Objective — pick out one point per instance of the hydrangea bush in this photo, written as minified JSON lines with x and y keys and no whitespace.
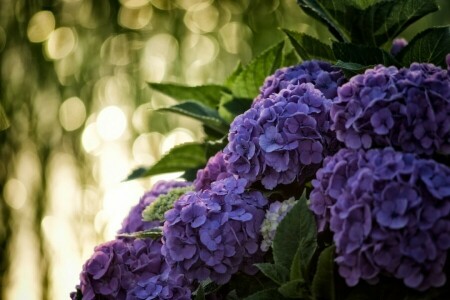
{"x":327,"y":178}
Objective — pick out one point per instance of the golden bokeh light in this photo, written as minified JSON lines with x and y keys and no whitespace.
{"x":135,"y":18}
{"x":40,"y":27}
{"x":72,"y":113}
{"x":15,"y":193}
{"x":111,"y":123}
{"x":115,"y":50}
{"x":201,"y":18}
{"x":61,"y":43}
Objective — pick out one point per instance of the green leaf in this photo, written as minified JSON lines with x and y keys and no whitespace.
{"x":431,"y":46}
{"x":207,"y":94}
{"x":180,"y":158}
{"x":309,"y":47}
{"x":230,"y":107}
{"x":351,"y":69}
{"x":296,"y":229}
{"x":4,"y":123}
{"x":302,"y":260}
{"x":269,"y":294}
{"x":153,"y":233}
{"x":232,"y":77}
{"x":212,"y":147}
{"x":247,"y":83}
{"x":367,"y":22}
{"x":200,"y":293}
{"x":291,"y":58}
{"x":362,"y":55}
{"x":294,"y":289}
{"x":209,"y":117}
{"x":277,"y":273}
{"x":323,"y":287}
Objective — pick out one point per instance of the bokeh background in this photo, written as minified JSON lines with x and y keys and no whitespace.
{"x":73,"y":79}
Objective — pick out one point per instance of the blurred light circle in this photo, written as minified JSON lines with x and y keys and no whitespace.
{"x":61,"y":43}
{"x":111,"y":123}
{"x":134,"y":3}
{"x":72,"y":114}
{"x":176,"y":137}
{"x":135,"y":18}
{"x":233,"y":35}
{"x":15,"y":193}
{"x":116,"y":51}
{"x":90,"y":139}
{"x":40,"y":27}
{"x":201,"y":18}
{"x":146,"y":148}
{"x":200,"y":49}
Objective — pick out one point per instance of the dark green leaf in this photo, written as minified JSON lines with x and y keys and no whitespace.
{"x":431,"y":46}
{"x":362,"y":55}
{"x":351,"y":69}
{"x":4,"y":123}
{"x":291,"y":58}
{"x":209,"y":117}
{"x":212,"y":147}
{"x":247,"y":83}
{"x":323,"y":283}
{"x":294,"y":289}
{"x":206,"y":94}
{"x":153,"y":233}
{"x":309,"y":47}
{"x":269,"y":294}
{"x":179,"y":158}
{"x":302,"y":259}
{"x":277,"y":273}
{"x":296,"y":229}
{"x":230,"y":107}
{"x":367,"y":22}
{"x":398,"y":17}
{"x":200,"y":293}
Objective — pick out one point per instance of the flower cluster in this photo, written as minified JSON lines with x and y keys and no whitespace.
{"x":389,"y":212}
{"x":131,"y":269}
{"x":322,"y":75}
{"x":276,"y":212}
{"x":406,"y":108}
{"x":215,"y":169}
{"x":133,"y":222}
{"x":283,"y":137}
{"x":215,"y":232}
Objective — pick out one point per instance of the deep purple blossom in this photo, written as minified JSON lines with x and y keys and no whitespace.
{"x":398,"y":45}
{"x":215,"y":169}
{"x":133,"y":222}
{"x":407,"y":109}
{"x":131,"y":269}
{"x":322,"y":75}
{"x":389,"y":212}
{"x":215,"y":232}
{"x":282,"y":138}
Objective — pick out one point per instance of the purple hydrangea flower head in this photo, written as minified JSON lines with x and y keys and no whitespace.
{"x":397,"y":45}
{"x":133,"y":222}
{"x":407,"y":109}
{"x":322,"y":75}
{"x":389,"y":212}
{"x":215,"y":232}
{"x":131,"y":269}
{"x":215,"y":169}
{"x":282,"y":138}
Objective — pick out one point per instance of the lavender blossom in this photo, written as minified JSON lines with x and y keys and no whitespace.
{"x":407,"y":109}
{"x":132,"y":269}
{"x":389,"y":212}
{"x":322,"y":75}
{"x":133,"y":222}
{"x":215,"y":169}
{"x":282,"y":138}
{"x":214,"y":233}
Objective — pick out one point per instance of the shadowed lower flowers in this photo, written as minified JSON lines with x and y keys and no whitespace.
{"x":389,"y":212}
